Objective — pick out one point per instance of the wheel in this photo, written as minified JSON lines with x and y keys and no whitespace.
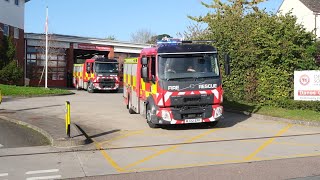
{"x":131,"y":111}
{"x":90,"y":87}
{"x":149,"y":115}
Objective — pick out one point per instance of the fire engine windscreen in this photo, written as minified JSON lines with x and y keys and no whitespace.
{"x":188,"y":66}
{"x":106,"y":67}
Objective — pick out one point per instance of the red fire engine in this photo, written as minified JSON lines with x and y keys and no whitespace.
{"x":175,"y":83}
{"x":97,"y":73}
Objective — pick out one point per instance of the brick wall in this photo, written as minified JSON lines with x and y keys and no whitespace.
{"x":19,"y":43}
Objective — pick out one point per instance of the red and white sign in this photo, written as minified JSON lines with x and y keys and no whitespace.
{"x":307,"y":85}
{"x":92,"y":47}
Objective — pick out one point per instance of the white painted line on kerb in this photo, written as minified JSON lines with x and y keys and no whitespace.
{"x":42,"y":171}
{"x":4,"y":174}
{"x":44,"y":177}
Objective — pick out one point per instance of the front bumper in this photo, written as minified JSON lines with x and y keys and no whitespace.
{"x":104,"y":86}
{"x":191,"y":115}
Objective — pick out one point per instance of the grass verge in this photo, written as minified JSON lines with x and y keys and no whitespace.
{"x":294,"y":114}
{"x":9,"y":90}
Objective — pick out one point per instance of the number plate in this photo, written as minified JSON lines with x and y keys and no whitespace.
{"x":198,"y":120}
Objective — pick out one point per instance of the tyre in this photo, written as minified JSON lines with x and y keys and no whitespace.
{"x":77,"y":86}
{"x":90,"y":88}
{"x":149,"y":115}
{"x":131,"y":111}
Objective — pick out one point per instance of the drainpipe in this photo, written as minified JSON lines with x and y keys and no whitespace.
{"x":315,"y":23}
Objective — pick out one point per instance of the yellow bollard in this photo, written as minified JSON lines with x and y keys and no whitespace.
{"x":68,"y":121}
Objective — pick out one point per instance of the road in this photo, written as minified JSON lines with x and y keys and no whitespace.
{"x":13,"y":135}
{"x":124,"y":143}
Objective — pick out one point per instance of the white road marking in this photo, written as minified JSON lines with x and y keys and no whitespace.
{"x":42,"y":171}
{"x":4,"y":174}
{"x":45,"y":177}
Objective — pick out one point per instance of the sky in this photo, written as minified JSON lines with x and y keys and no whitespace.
{"x":119,"y":18}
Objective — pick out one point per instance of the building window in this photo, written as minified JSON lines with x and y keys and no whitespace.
{"x":6,"y":30}
{"x":16,"y":2}
{"x":16,"y":33}
{"x":57,"y":65}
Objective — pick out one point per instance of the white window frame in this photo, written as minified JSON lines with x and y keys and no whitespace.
{"x":6,"y":27}
{"x":16,"y":33}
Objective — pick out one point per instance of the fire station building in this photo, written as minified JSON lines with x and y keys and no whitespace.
{"x":64,"y":51}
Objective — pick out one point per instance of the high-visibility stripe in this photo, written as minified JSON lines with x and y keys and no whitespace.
{"x":131,"y":60}
{"x":154,"y":88}
{"x":129,"y":79}
{"x":143,"y":85}
{"x":134,"y":78}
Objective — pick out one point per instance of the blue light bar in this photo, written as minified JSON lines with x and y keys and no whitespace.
{"x":166,"y":40}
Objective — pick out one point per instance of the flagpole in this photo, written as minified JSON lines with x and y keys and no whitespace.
{"x":46,"y":77}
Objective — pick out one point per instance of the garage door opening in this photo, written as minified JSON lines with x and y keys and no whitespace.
{"x":81,"y":55}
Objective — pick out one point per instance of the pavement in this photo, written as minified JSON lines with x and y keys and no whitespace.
{"x":53,"y":128}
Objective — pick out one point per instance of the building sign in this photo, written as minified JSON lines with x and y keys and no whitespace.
{"x":91,"y":47}
{"x":307,"y":85}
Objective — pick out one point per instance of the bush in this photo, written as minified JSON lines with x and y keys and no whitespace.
{"x":303,"y":105}
{"x":11,"y":73}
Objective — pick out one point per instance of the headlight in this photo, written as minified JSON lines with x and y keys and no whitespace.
{"x":165,"y":115}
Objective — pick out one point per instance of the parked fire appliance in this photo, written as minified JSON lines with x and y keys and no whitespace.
{"x":97,"y":73}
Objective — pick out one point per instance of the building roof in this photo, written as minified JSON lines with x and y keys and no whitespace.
{"x":313,"y":5}
{"x":119,"y":46}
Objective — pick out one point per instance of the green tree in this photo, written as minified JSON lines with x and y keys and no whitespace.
{"x":11,"y":73}
{"x":265,"y":49}
{"x":111,"y":37}
{"x":7,"y":51}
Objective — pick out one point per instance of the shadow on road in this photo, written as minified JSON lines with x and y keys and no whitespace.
{"x":40,"y":107}
{"x":229,"y":120}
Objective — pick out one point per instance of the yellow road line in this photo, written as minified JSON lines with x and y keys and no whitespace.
{"x":108,"y":158}
{"x":191,"y":153}
{"x":171,"y":148}
{"x":267,"y":143}
{"x":123,"y":136}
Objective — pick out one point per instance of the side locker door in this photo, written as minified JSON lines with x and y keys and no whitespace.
{"x":133,"y":83}
{"x":148,"y":83}
{"x":153,"y":76}
{"x":124,"y":79}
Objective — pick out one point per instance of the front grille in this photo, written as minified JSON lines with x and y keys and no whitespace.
{"x":107,"y":80}
{"x":191,"y":99}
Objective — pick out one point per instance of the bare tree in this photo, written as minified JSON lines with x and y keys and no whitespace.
{"x":195,"y":31}
{"x":141,"y":36}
